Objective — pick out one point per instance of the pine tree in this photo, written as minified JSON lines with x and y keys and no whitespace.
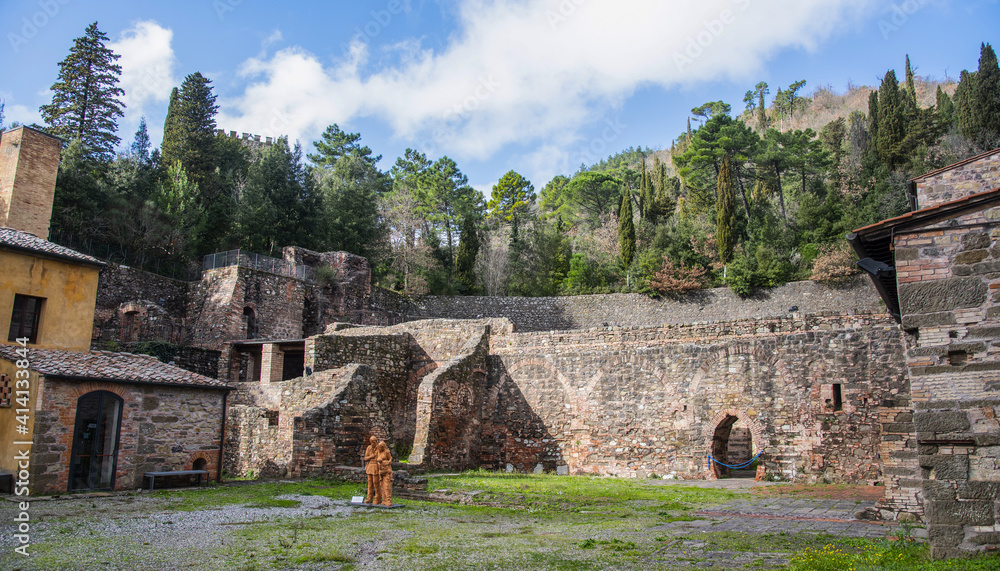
{"x":626,"y":229}
{"x":85,"y":100}
{"x":511,"y":200}
{"x":891,"y":123}
{"x":725,"y":211}
{"x":140,"y":144}
{"x":762,"y":90}
{"x":334,"y":144}
{"x":189,"y":132}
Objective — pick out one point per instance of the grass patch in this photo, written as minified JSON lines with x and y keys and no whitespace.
{"x":255,"y":495}
{"x":883,"y":555}
{"x":274,"y":503}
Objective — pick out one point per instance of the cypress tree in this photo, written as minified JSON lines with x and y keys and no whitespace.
{"x":762,"y":90}
{"x":725,"y":211}
{"x":172,"y":136}
{"x":85,"y":99}
{"x":945,"y":108}
{"x":465,"y":259}
{"x":987,"y":98}
{"x":965,"y":116}
{"x":891,"y":124}
{"x":910,"y":100}
{"x":626,"y":229}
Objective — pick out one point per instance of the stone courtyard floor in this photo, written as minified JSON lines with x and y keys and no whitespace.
{"x":474,"y":520}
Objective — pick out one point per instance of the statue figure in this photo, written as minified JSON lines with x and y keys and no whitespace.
{"x":384,"y":458}
{"x":374,"y":495}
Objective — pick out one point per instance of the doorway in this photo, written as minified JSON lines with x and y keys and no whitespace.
{"x":732,"y":444}
{"x":95,"y":441}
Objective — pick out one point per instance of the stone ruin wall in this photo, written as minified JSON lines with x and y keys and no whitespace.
{"x":303,"y":427}
{"x":637,"y":310}
{"x":635,"y":402}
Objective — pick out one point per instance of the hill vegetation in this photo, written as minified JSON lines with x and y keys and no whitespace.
{"x":748,"y":198}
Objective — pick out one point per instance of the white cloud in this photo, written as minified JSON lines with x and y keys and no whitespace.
{"x":529,"y":71}
{"x":148,"y":62}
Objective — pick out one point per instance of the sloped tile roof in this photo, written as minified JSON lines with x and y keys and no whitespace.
{"x":17,"y":240}
{"x":955,"y":165}
{"x":104,"y":365}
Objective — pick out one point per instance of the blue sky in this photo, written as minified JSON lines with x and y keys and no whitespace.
{"x":537,"y":86}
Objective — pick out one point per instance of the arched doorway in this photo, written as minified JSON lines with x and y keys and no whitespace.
{"x":735,"y":440}
{"x":95,"y":441}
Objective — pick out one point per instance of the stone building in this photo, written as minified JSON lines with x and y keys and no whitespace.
{"x":73,"y":419}
{"x":938,"y":270}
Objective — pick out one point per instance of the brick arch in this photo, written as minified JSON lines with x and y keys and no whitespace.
{"x":90,"y":386}
{"x":731,"y":416}
{"x":761,"y":354}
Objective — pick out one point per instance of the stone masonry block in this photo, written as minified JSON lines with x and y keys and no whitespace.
{"x":942,"y":295}
{"x":947,"y":467}
{"x":941,"y":421}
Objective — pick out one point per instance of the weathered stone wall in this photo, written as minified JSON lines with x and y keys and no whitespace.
{"x":304,"y":426}
{"x":632,"y":402}
{"x":391,"y":357}
{"x":216,"y":305}
{"x":636,"y":310}
{"x":979,"y":174}
{"x":449,"y":406}
{"x":948,"y":281}
{"x":162,"y":428}
{"x":960,"y":464}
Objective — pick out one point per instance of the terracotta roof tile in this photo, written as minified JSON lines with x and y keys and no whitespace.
{"x":18,"y":240}
{"x":122,"y":367}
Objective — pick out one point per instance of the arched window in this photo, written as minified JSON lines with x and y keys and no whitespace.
{"x":95,"y":441}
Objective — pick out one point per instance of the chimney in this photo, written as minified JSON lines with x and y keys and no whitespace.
{"x":29,"y":163}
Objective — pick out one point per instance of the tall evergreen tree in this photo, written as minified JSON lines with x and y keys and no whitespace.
{"x":189,"y":132}
{"x":334,"y":144}
{"x":762,"y":91}
{"x":725,"y":211}
{"x":140,"y":143}
{"x":465,"y":259}
{"x":891,"y":121}
{"x":511,"y":200}
{"x":945,"y":108}
{"x":910,"y":94}
{"x":85,"y":99}
{"x":626,"y":229}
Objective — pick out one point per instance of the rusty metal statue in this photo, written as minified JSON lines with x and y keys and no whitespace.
{"x":374,"y":494}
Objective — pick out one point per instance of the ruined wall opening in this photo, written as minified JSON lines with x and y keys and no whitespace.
{"x":733,"y":443}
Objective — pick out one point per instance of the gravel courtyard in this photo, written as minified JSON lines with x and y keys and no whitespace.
{"x":468,"y":521}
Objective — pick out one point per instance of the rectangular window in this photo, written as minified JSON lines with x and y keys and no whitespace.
{"x":838,"y":401}
{"x":24,"y":319}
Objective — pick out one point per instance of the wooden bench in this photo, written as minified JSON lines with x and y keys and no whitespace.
{"x":153,"y":475}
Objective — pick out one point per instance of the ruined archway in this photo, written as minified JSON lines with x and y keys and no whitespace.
{"x":718,"y":437}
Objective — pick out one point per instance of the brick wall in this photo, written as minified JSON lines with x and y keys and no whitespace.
{"x":29,"y":163}
{"x":162,"y":428}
